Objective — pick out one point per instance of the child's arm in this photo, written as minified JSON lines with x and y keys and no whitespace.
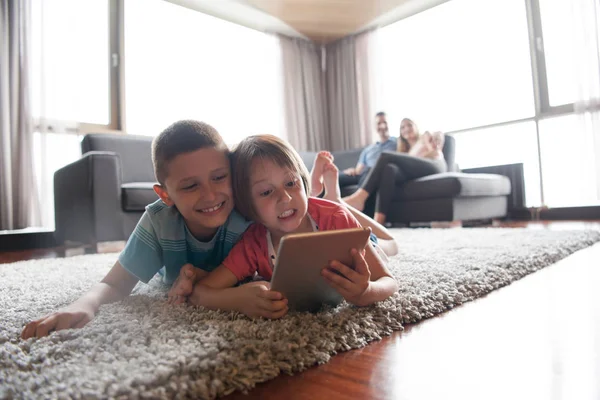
{"x":115,"y":286}
{"x":369,"y":281}
{"x":216,"y":292}
{"x":184,"y":284}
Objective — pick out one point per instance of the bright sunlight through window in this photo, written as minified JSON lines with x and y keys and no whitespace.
{"x":182,"y":64}
{"x":462,"y":64}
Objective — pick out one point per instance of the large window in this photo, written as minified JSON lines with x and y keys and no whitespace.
{"x":568,"y":163}
{"x":462,"y":64}
{"x":71,"y":63}
{"x":507,"y":144}
{"x":71,"y":68}
{"x":558,"y":38}
{"x":501,"y":77}
{"x":183,"y":64}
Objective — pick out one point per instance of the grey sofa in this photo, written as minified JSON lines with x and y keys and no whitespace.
{"x":449,"y":196}
{"x":101,"y":196}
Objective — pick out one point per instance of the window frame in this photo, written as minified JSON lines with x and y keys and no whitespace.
{"x":543,"y":110}
{"x":115,"y":59}
{"x":538,"y":56}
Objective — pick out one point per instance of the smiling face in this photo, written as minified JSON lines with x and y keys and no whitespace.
{"x":198,"y":183}
{"x":279,"y":197}
{"x":381,"y":124}
{"x":408,"y":131}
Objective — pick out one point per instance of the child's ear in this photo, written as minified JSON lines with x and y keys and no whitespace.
{"x":162,"y":193}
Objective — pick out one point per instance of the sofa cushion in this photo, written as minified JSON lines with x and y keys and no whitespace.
{"x":454,"y":184}
{"x":137,"y":195}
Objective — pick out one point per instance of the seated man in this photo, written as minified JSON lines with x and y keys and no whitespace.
{"x":370,"y":154}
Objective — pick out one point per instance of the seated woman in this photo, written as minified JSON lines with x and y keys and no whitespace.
{"x":418,"y":155}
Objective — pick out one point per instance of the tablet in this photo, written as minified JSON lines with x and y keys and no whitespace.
{"x":302,"y":256}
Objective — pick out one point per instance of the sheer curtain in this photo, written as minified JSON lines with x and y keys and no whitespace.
{"x":348,"y":71}
{"x":367,"y":89}
{"x":586,"y":49}
{"x":328,"y":92}
{"x":305,"y":100}
{"x":19,"y":207}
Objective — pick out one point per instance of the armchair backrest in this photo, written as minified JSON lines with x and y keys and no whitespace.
{"x":134,"y":153}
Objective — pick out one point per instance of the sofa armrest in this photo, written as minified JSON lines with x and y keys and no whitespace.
{"x":87,"y":199}
{"x":514,"y":172}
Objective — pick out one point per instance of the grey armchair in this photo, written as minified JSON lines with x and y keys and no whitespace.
{"x":101,"y":196}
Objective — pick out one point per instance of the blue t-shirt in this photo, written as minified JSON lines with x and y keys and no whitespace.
{"x":162,"y":239}
{"x":371,"y":153}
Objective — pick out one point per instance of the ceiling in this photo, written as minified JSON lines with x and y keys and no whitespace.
{"x":326,"y":20}
{"x":322,"y":21}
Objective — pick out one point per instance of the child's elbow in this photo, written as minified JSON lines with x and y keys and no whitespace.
{"x":391,"y":284}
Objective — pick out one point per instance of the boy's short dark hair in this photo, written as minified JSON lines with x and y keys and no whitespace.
{"x":380,"y":114}
{"x":179,"y":138}
{"x":266,"y":147}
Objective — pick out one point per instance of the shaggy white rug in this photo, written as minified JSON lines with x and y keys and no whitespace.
{"x":144,"y":348}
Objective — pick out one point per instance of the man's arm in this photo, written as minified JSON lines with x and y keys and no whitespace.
{"x":360,"y":165}
{"x":359,"y":168}
{"x":115,"y":286}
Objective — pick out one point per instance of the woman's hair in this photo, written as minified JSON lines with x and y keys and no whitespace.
{"x":261,"y":147}
{"x":403,"y":145}
{"x":182,"y":137}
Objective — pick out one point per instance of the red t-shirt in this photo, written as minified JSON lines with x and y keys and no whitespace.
{"x":251,"y":253}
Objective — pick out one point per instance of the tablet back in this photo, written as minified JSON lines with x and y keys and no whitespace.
{"x":300,"y":259}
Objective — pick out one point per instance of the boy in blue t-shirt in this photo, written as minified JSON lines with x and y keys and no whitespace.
{"x":194,"y":223}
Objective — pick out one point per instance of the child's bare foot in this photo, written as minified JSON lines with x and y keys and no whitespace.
{"x":316,"y":175}
{"x":330,"y":181}
{"x":184,"y":284}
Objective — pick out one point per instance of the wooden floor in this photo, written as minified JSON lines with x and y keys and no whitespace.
{"x":538,"y":338}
